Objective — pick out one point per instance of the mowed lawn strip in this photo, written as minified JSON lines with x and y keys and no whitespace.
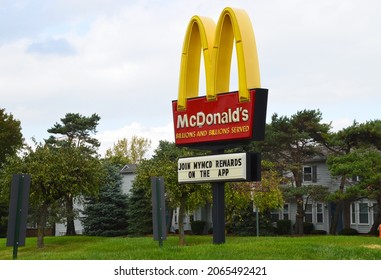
{"x":199,"y":248}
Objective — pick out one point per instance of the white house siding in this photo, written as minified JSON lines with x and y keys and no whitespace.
{"x":127,"y":181}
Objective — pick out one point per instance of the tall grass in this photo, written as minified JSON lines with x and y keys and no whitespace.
{"x":200,"y":248}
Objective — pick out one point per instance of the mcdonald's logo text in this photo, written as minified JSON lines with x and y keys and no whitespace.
{"x":224,"y":120}
{"x":201,"y":119}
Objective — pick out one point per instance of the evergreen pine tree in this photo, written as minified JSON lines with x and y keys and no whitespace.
{"x":106,"y":214}
{"x":139,"y":213}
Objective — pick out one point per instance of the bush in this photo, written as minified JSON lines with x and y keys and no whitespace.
{"x":198,"y":227}
{"x":348,"y":231}
{"x":318,"y":232}
{"x":3,"y":219}
{"x":244,"y":223}
{"x":283,"y":227}
{"x":308,"y":227}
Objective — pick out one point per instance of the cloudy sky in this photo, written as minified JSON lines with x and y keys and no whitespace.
{"x":120,"y":59}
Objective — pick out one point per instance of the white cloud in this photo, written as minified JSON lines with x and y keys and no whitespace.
{"x":109,"y":137}
{"x":126,"y":58}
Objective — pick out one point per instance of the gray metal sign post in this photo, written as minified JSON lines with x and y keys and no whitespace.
{"x":18,"y":211}
{"x":158,"y":210}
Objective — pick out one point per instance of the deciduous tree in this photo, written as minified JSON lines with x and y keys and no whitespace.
{"x":52,"y":172}
{"x":186,"y":197}
{"x":11,"y":139}
{"x":127,"y":151}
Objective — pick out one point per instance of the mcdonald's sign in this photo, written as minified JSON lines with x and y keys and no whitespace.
{"x":220,"y":116}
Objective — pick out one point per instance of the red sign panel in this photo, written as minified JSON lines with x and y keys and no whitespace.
{"x":224,"y":119}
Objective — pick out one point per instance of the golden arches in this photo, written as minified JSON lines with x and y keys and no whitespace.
{"x":232,"y":24}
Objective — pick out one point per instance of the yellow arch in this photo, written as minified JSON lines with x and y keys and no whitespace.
{"x":199,"y":35}
{"x":232,"y":24}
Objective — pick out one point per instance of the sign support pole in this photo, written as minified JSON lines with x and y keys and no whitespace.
{"x":159,"y":216}
{"x":18,"y":216}
{"x":18,"y":211}
{"x":218,"y":210}
{"x":158,"y":210}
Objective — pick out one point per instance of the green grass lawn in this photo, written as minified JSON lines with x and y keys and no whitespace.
{"x":200,"y":248}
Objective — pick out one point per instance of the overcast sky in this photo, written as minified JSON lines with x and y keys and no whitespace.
{"x":120,"y":59}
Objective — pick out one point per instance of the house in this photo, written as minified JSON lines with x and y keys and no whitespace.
{"x":315,"y":172}
{"x":128,"y":174}
{"x":362,"y":212}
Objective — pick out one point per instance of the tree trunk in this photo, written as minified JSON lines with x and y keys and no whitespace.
{"x":170,"y":217}
{"x":339,"y":208}
{"x":70,"y":227}
{"x":181,"y":221}
{"x":41,"y":224}
{"x":347,"y":214}
{"x":336,"y":216}
{"x":299,"y":219}
{"x":299,"y":228}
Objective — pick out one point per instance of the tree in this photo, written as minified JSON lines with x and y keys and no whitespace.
{"x":54,"y":174}
{"x":76,"y":131}
{"x":265,"y":194}
{"x":290,"y":142}
{"x":343,"y":143}
{"x":40,"y":164}
{"x":11,"y":139}
{"x":186,"y":197}
{"x":139,"y":212}
{"x":106,"y":213}
{"x":125,"y":151}
{"x":75,"y":134}
{"x":365,"y":163}
{"x":340,"y":144}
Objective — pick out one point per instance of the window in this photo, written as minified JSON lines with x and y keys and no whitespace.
{"x":355,"y":178}
{"x":278,"y":214}
{"x":363,"y":213}
{"x":308,"y":213}
{"x":307,"y":174}
{"x":310,"y":174}
{"x":175,"y":216}
{"x":319,"y":213}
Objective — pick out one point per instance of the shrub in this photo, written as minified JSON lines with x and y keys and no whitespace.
{"x":318,"y":232}
{"x":308,"y":227}
{"x":198,"y":227}
{"x":348,"y":231}
{"x":283,"y":227}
